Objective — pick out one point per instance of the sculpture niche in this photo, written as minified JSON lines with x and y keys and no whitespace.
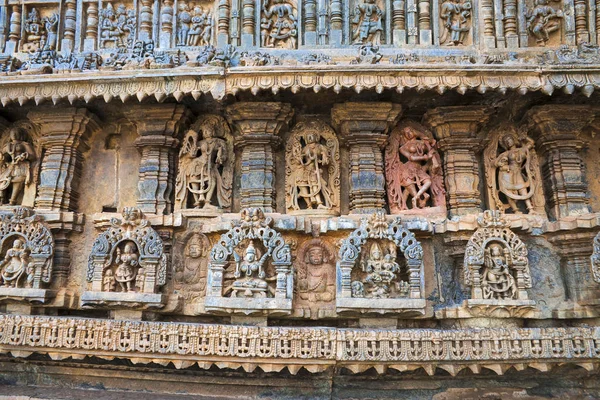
{"x":40,"y":32}
{"x":413,"y":169}
{"x":542,"y":20}
{"x":26,"y":257}
{"x":380,"y":270}
{"x":18,"y":166}
{"x":315,"y":287}
{"x":279,"y":24}
{"x":127,"y":265}
{"x":455,"y":16}
{"x":367,"y":22}
{"x":496,"y":265}
{"x":205,"y":173}
{"x":250,"y":269}
{"x":512,"y":173}
{"x":312,"y":158}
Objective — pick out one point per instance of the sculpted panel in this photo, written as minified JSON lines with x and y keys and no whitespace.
{"x":367,"y":22}
{"x":190,"y":259}
{"x":279,"y":24}
{"x":195,"y":24}
{"x":205,"y":174}
{"x":312,"y":169}
{"x":413,"y":169}
{"x":455,"y":18}
{"x":544,"y":18}
{"x":19,"y":165}
{"x":40,"y":30}
{"x":512,"y":173}
{"x":117,"y":26}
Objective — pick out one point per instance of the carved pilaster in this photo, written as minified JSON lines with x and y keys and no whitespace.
{"x":63,"y":134}
{"x":70,"y":27}
{"x":456,"y":129}
{"x":257,"y":126}
{"x":157,"y":127}
{"x":365,"y":127}
{"x":556,"y":131}
{"x":146,"y":16}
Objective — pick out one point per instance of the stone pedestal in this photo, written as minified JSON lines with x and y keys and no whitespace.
{"x":257,"y":126}
{"x":556,"y":130}
{"x":456,"y":130}
{"x":157,"y":126}
{"x":364,"y":127}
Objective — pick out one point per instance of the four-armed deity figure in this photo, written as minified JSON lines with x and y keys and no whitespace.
{"x":15,"y":166}
{"x":17,"y":263}
{"x":455,"y":16}
{"x":382,"y":272}
{"x":308,"y":181}
{"x":127,"y":267}
{"x":200,"y":161}
{"x":543,"y":20}
{"x":249,"y":274}
{"x":282,"y":25}
{"x":413,"y":169}
{"x":367,"y":21}
{"x":497,"y":281}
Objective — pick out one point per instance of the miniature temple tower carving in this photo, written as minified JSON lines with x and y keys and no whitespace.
{"x":250,"y":269}
{"x":512,"y":173}
{"x":18,"y":165}
{"x":380,"y":269}
{"x":413,"y":169}
{"x":205,"y":172}
{"x":312,"y":169}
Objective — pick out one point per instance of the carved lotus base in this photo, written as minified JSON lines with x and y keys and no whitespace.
{"x":404,"y":307}
{"x":501,"y":308}
{"x":142,"y":301}
{"x":39,"y":296}
{"x":248,"y":306}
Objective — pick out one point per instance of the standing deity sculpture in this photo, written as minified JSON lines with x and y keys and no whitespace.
{"x":279,"y":24}
{"x":17,"y":268}
{"x":316,"y":277}
{"x":184,"y":23}
{"x":312,"y":168}
{"x":190,"y":264}
{"x":51,"y":28}
{"x":542,"y":20}
{"x":35,"y":32}
{"x":201,"y":28}
{"x":367,"y":22}
{"x":126,"y":265}
{"x":413,"y":169}
{"x":205,"y":166}
{"x":513,"y":173}
{"x":117,"y":27}
{"x":16,"y":165}
{"x":455,"y":16}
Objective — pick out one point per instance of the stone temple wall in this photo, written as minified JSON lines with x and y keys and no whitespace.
{"x":299,"y":199}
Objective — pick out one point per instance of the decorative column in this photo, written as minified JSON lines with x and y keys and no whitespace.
{"x":256,"y":127}
{"x":456,"y":130}
{"x":224,"y":14}
{"x":166,"y":23}
{"x":63,"y":134}
{"x":364,"y":127}
{"x":70,"y":18}
{"x":556,"y":130}
{"x":146,"y":16}
{"x":91,"y":27}
{"x":157,"y":126}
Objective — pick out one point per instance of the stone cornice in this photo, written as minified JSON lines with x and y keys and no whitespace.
{"x":315,"y":349}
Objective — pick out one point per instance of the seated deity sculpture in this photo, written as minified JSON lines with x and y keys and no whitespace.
{"x":543,"y":20}
{"x":15,"y":166}
{"x":497,"y":281}
{"x":367,"y":21}
{"x":283,"y":29}
{"x":35,"y":34}
{"x":249,"y":274}
{"x":16,"y":269}
{"x":413,"y":169}
{"x":381,"y":275}
{"x":203,"y":160}
{"x":316,"y":281}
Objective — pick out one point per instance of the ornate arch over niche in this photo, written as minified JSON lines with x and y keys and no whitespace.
{"x":127,"y":264}
{"x":206,"y":162}
{"x":27,"y":250}
{"x":380,"y":269}
{"x":496,"y":266}
{"x":512,"y":172}
{"x":250,"y":269}
{"x":312,"y":169}
{"x":19,"y":164}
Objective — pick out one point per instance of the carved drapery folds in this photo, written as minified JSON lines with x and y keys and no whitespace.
{"x":26,"y":258}
{"x":250,"y":269}
{"x":380,"y":269}
{"x":312,"y":172}
{"x":413,"y":169}
{"x":496,"y":267}
{"x":205,"y":175}
{"x":127,"y":264}
{"x":512,"y":172}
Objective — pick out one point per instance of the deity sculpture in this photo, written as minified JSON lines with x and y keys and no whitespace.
{"x":381,"y":269}
{"x":513,"y":175}
{"x":35,"y":34}
{"x":455,"y":15}
{"x":543,"y":20}
{"x":184,"y":21}
{"x":497,"y":281}
{"x":279,"y":24}
{"x":16,"y":269}
{"x":413,"y":169}
{"x":367,"y":23}
{"x":191,"y":269}
{"x":316,"y":276}
{"x":201,"y":27}
{"x":117,"y":27}
{"x":15,"y":166}
{"x":51,"y":27}
{"x":205,"y":166}
{"x":127,"y":264}
{"x":250,"y":274}
{"x":312,"y":168}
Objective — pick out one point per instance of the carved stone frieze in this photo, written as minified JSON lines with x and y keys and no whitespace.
{"x":127,"y":265}
{"x":250,"y":269}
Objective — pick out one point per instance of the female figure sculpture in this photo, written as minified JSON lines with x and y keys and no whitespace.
{"x":284,"y":30}
{"x":127,"y":266}
{"x":15,"y":165}
{"x":543,"y":20}
{"x":16,"y":264}
{"x":497,"y":281}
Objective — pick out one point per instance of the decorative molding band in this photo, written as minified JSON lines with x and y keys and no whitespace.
{"x":316,"y":349}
